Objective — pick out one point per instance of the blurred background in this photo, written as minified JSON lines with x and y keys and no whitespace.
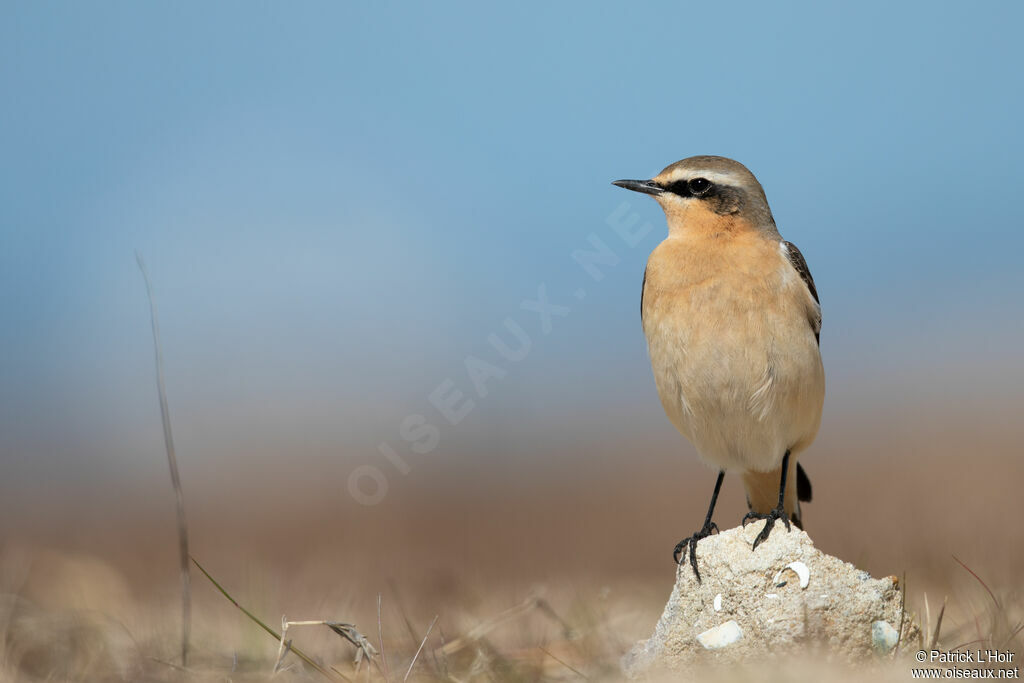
{"x":340,"y":204}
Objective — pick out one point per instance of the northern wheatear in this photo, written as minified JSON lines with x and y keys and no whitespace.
{"x":732,"y":320}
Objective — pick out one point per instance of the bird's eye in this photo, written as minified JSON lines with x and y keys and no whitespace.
{"x":699,"y":186}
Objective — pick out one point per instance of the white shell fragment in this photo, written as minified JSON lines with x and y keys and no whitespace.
{"x":883,"y":637}
{"x":800,"y":569}
{"x":720,"y":636}
{"x":718,"y":602}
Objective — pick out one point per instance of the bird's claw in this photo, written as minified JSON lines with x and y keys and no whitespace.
{"x":690,"y":544}
{"x":769,"y":522}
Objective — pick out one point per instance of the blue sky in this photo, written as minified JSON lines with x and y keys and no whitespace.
{"x":339,"y":203}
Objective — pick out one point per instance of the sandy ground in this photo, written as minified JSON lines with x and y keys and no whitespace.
{"x":562,"y":559}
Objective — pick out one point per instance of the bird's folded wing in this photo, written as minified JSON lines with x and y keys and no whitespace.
{"x":800,"y":265}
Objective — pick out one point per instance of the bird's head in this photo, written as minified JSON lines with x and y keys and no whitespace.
{"x":707,"y":189}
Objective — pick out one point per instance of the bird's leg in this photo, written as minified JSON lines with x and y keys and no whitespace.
{"x":705,"y":531}
{"x":779,"y":512}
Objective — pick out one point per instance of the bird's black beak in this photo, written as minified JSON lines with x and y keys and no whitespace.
{"x":645,"y":186}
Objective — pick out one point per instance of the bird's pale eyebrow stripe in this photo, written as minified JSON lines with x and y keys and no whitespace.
{"x":714,"y":176}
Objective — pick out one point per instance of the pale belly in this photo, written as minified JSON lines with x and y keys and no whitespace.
{"x":744,"y":384}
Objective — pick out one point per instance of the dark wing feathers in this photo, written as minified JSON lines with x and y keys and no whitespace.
{"x":643,"y":286}
{"x":800,"y":265}
{"x":803,"y":482}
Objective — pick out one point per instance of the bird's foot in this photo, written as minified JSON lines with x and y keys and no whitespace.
{"x":769,"y":521}
{"x":690,"y":544}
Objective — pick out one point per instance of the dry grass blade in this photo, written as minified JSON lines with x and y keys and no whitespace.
{"x":568,"y":631}
{"x":170,"y":665}
{"x":927,"y":618}
{"x":380,"y":640}
{"x":984,"y":585}
{"x":482,"y":629}
{"x":347,"y":631}
{"x":285,"y":647}
{"x":969,"y":642}
{"x":418,"y":651}
{"x":442,"y":662}
{"x":903,"y":615}
{"x":564,"y":663}
{"x":256,"y":620}
{"x":172,"y":461}
{"x":1013,"y":634}
{"x":401,"y":611}
{"x":938,"y":626}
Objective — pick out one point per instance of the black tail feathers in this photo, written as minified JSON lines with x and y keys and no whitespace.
{"x":803,"y":485}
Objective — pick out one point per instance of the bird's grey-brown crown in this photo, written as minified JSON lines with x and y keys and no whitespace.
{"x":727,"y":186}
{"x":713,"y":168}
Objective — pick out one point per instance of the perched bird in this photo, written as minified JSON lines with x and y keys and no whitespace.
{"x":732,"y":321}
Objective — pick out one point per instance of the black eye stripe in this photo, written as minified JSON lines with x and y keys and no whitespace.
{"x":694,"y":187}
{"x":680,"y":188}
